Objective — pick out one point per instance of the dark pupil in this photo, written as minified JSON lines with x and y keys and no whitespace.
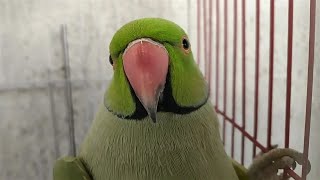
{"x":110,"y":60}
{"x":185,"y":44}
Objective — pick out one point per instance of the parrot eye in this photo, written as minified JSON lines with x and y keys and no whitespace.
{"x":185,"y":44}
{"x":110,"y":60}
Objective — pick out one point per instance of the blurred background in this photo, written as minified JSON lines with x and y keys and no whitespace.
{"x":43,"y":86}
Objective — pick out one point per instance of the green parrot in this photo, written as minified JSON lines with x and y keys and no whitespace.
{"x":156,"y":120}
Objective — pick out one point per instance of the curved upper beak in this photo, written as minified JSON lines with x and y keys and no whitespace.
{"x":146,"y":65}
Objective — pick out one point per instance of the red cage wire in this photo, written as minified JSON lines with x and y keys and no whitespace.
{"x":206,"y":31}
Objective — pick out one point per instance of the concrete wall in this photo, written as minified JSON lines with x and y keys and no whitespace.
{"x":31,"y":55}
{"x":33,"y":125}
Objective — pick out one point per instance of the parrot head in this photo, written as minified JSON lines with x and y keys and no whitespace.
{"x":154,"y":71}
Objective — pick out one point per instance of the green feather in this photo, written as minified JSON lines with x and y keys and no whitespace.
{"x":70,"y":168}
{"x":189,"y":89}
{"x":176,"y":147}
{"x":158,"y":29}
{"x":241,"y":171}
{"x":118,"y":97}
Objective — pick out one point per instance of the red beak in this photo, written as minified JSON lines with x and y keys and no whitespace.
{"x":146,"y":65}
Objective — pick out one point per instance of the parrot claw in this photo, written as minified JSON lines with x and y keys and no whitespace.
{"x":275,"y":146}
{"x":294,"y":165}
{"x":266,"y":166}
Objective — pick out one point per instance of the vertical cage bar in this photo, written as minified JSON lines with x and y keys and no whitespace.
{"x":198,"y":30}
{"x":205,"y":39}
{"x":235,"y":29}
{"x":243,"y":76}
{"x":68,"y":90}
{"x":256,"y":87}
{"x":309,"y":86}
{"x":225,"y":67}
{"x":217,"y":51}
{"x":210,"y":47}
{"x":270,"y":90}
{"x":289,"y":74}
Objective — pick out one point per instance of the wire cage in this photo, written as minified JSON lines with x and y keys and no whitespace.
{"x":226,"y":72}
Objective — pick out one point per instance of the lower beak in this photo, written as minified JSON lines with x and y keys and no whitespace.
{"x":146,"y":65}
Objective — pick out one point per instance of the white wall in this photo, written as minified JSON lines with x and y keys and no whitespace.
{"x":31,"y":55}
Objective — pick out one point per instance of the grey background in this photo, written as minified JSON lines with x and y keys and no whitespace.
{"x":33,"y":110}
